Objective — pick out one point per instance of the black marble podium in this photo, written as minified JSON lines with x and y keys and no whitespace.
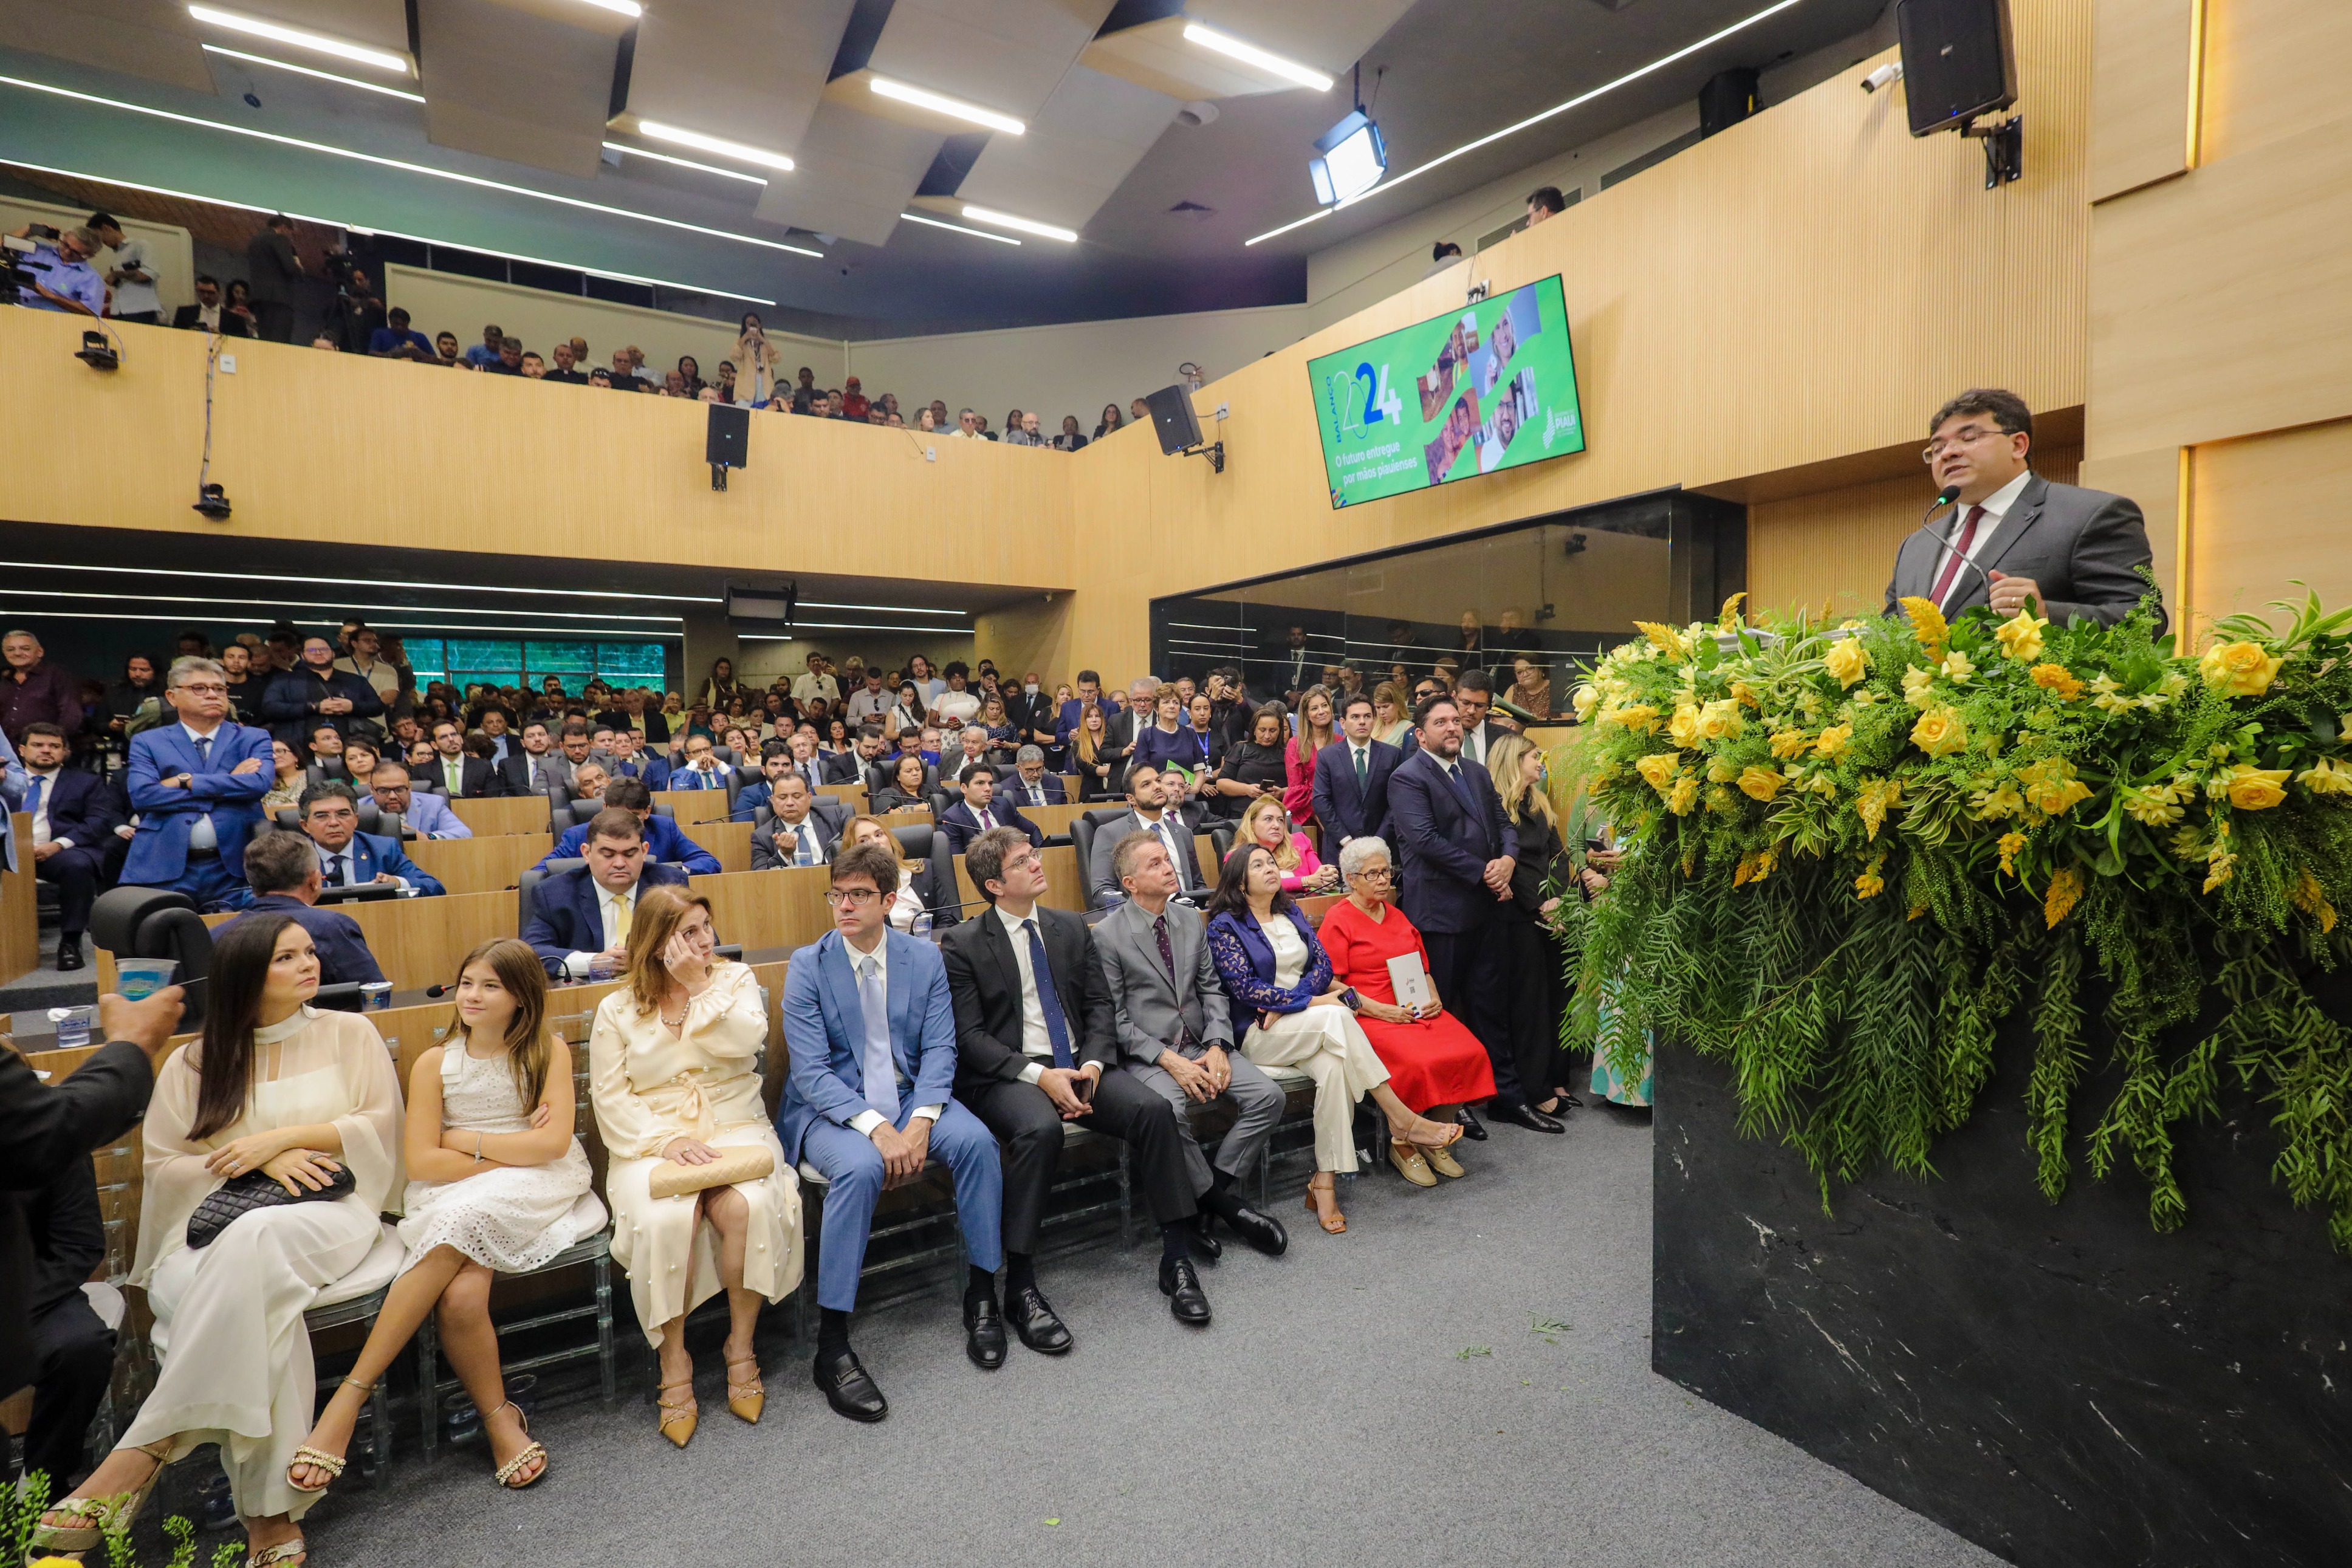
{"x":2060,"y":1384}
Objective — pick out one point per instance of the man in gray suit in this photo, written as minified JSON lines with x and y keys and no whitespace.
{"x":1176,"y":1035}
{"x":1147,"y":813}
{"x":2014,"y":535}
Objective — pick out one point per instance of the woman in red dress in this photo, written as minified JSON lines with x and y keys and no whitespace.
{"x":1432,"y":1058}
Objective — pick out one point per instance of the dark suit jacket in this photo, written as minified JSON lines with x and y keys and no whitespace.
{"x":767,"y":856}
{"x":290,"y":702}
{"x":1009,"y":788}
{"x":514,"y":771}
{"x":46,"y":1127}
{"x":231,"y":326}
{"x":82,"y":808}
{"x":565,"y":916}
{"x":1443,"y":847}
{"x":480,"y":779}
{"x":961,"y":826}
{"x":984,"y":980}
{"x":842,"y":768}
{"x":374,"y":852}
{"x":2083,"y":548}
{"x":664,"y":841}
{"x":1346,"y":811}
{"x":342,"y":946}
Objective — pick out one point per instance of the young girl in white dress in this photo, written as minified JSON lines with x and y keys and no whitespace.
{"x":498,"y":1185}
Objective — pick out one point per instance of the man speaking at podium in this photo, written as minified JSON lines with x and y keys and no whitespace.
{"x":2011,"y":534}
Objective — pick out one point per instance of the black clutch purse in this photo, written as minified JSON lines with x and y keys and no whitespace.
{"x":256,"y":1189}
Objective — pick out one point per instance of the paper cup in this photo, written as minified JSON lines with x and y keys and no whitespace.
{"x":139,"y":979}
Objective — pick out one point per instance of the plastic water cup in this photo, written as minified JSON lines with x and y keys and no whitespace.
{"x":73,"y":1025}
{"x":600,"y":971}
{"x":375,"y":996}
{"x":139,"y":979}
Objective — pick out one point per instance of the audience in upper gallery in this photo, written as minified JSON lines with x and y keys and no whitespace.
{"x":800,"y":828}
{"x":284,"y":871}
{"x":980,"y":811}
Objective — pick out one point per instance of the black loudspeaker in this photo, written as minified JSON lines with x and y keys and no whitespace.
{"x":1728,"y":98}
{"x":1958,"y":60}
{"x":729,"y":444}
{"x":1173,"y":417}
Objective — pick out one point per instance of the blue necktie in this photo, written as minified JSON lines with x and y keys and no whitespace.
{"x":204,"y":751}
{"x":33,"y":798}
{"x":1462,"y":788}
{"x":1057,"y":1028}
{"x":880,"y":1067}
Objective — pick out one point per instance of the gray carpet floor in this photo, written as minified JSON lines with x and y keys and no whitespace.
{"x":1378,"y":1398}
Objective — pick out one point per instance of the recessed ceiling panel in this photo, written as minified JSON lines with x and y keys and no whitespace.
{"x":525,"y":81}
{"x":1081,"y":145}
{"x":150,"y":38}
{"x":854,"y":176}
{"x":750,"y":73}
{"x":1005,"y":55}
{"x":1329,"y":35}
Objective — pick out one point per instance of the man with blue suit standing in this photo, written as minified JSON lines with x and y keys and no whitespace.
{"x":197,"y":787}
{"x":1352,"y":779}
{"x":580,"y":919}
{"x":1457,"y":851}
{"x":664,"y":841}
{"x":981,"y":811}
{"x":872,"y":1032}
{"x":73,"y":826}
{"x":349,"y":858}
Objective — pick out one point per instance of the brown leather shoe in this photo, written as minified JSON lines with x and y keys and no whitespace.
{"x":1410,"y":1165}
{"x":1443,"y":1162}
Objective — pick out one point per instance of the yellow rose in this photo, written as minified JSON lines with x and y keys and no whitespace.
{"x":1846,"y":662}
{"x":1585,"y":698}
{"x":1832,"y":744}
{"x":2240,"y":669}
{"x":2059,"y":679}
{"x":1760,"y":783}
{"x":1788,"y":743}
{"x":1640,"y":719}
{"x":1659,"y":768}
{"x":1720,"y":720}
{"x":1684,"y":727}
{"x":2326,"y":777}
{"x":1721,"y":772}
{"x":2256,"y":788}
{"x":1682,"y":796}
{"x":2021,"y":636}
{"x":1940,"y":732}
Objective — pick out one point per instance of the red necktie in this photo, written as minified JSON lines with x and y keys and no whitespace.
{"x":1959,"y":550}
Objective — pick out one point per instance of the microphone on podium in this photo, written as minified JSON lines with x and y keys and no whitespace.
{"x":1945,"y":497}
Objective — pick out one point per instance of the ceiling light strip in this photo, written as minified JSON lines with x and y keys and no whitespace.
{"x":297,"y":37}
{"x":407,"y":167}
{"x":1577,"y":102}
{"x":940,"y":103}
{"x":956,"y":228}
{"x":369,"y":582}
{"x":684,"y":162}
{"x":714,"y":144}
{"x":314,"y":71}
{"x":122,"y":594}
{"x":799,"y":625}
{"x":890,"y":609}
{"x":1026,"y":225}
{"x":373,"y":625}
{"x":626,"y":7}
{"x":1251,"y":55}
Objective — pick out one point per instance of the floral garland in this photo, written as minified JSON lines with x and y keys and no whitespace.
{"x":1853,"y":851}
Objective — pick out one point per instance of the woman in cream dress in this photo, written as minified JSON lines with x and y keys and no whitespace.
{"x":1293,"y":1014}
{"x":277,"y":1087}
{"x":674,"y":1076}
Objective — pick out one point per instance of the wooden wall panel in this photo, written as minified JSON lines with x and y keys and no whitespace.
{"x":20,"y":915}
{"x":2267,"y":511}
{"x":691,"y":806}
{"x":486,"y":864}
{"x":525,"y":814}
{"x":2273,"y":68}
{"x":2142,"y":93}
{"x":758,"y":910}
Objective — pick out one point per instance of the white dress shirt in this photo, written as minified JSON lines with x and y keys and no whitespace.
{"x":48,"y":783}
{"x":805,"y":837}
{"x":617,"y":909}
{"x":330,"y":859}
{"x":1037,"y":1043}
{"x":201,"y":838}
{"x":867,"y":1121}
{"x":1996,"y":509}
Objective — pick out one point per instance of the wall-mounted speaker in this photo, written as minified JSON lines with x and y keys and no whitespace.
{"x":1959,"y":60}
{"x":1173,"y":417}
{"x":729,"y":442}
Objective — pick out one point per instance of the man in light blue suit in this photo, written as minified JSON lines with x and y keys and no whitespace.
{"x":197,"y":787}
{"x":872,"y":1033}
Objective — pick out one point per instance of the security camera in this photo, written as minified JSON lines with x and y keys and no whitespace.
{"x":1885,"y":75}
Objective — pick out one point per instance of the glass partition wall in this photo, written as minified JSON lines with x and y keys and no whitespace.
{"x":1553,"y":590}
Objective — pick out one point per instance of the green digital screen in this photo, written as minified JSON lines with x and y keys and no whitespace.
{"x":1487,"y":387}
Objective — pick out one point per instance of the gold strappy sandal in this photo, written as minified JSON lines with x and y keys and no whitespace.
{"x":512,"y":1467}
{"x":677,"y":1420}
{"x":81,"y":1523}
{"x":319,"y":1458}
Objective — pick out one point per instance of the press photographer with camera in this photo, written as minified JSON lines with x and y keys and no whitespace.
{"x":60,"y":275}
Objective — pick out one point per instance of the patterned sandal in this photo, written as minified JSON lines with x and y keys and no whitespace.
{"x":746,"y":1396}
{"x":319,"y":1458}
{"x":514,"y":1466}
{"x":82,"y":1523}
{"x":295,"y":1550}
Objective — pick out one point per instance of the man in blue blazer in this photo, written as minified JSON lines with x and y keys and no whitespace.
{"x":1351,"y":780}
{"x":197,"y":787}
{"x":621,"y":759}
{"x":663,"y":839}
{"x":981,"y":811}
{"x":1031,"y":785}
{"x":349,"y":858}
{"x":73,"y":826}
{"x":1456,"y":849}
{"x":282,"y":869}
{"x":774,"y":766}
{"x":872,"y":1032}
{"x":580,"y":919}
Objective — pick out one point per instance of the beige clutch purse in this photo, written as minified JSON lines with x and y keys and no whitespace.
{"x":672,"y":1179}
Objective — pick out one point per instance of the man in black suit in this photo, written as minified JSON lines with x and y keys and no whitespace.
{"x":981,"y":810}
{"x":1037,"y":1039}
{"x":1456,"y":849}
{"x":1352,"y":779}
{"x":534,"y":766}
{"x":74,"y":819}
{"x":456,"y":775}
{"x":283,"y":871}
{"x":1474,"y":693}
{"x":208,"y":314}
{"x":800,"y":829}
{"x":1295,"y":669}
{"x":1030,"y":785}
{"x":2014,"y":536}
{"x":849,"y":767}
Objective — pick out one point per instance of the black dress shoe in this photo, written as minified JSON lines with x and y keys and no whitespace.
{"x":1205,"y":1245}
{"x":1180,"y":1283}
{"x":1262,"y":1231}
{"x":1524,"y":1116}
{"x":1035,"y":1322}
{"x":848,"y":1389}
{"x":1472,"y":1128}
{"x":983,"y":1332}
{"x":69,"y":953}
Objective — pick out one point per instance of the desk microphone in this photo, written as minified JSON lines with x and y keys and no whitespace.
{"x":1950,"y":493}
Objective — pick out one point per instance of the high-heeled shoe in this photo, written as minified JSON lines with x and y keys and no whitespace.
{"x":746,"y":1395}
{"x":81,"y":1523}
{"x":319,"y":1458}
{"x":1335,"y":1222}
{"x":537,"y":1451}
{"x":679,"y":1415}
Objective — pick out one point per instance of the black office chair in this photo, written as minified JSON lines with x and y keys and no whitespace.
{"x":1083,"y":829}
{"x":1221,"y":841}
{"x":946,"y":897}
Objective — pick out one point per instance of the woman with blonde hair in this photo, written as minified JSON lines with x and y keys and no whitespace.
{"x":702,"y":1196}
{"x":1263,"y":821}
{"x":1391,"y":712}
{"x":907,"y":904}
{"x":1088,"y":742}
{"x":1537,"y":990}
{"x":1318,"y":726}
{"x":497,"y":1185}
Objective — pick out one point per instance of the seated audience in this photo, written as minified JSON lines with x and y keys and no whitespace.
{"x":359,"y":760}
{"x":325,"y":760}
{"x":283,"y":871}
{"x":910,"y":904}
{"x":1279,"y":976}
{"x":74,"y":819}
{"x":1531,"y":686}
{"x":1030,"y":785}
{"x":1433,"y":1060}
{"x":1070,"y":439}
{"x":1255,"y":765}
{"x":1176,"y":1037}
{"x":579,"y":923}
{"x":455,"y":772}
{"x":422,"y":812}
{"x":850,"y":766}
{"x":802,"y":748}
{"x":673,"y":1063}
{"x":534,"y":766}
{"x":314,"y":691}
{"x":909,"y":786}
{"x":1002,"y":737}
{"x":197,"y":788}
{"x":969,"y":745}
{"x":803,"y":828}
{"x":664,"y":840}
{"x":497,"y":1183}
{"x":1351,"y":778}
{"x":979,"y":811}
{"x":1263,"y":821}
{"x":349,"y":858}
{"x":275,"y":1091}
{"x":871,"y":1031}
{"x":701,"y":768}
{"x":1148,"y":812}
{"x":396,"y":340}
{"x":749,"y":799}
{"x":1537,"y":990}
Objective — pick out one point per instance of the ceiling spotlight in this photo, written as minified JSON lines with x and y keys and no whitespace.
{"x":1251,"y":55}
{"x":940,"y":103}
{"x":720,"y":145}
{"x":626,"y":7}
{"x":1025,"y":225}
{"x":957,"y":228}
{"x":382,"y":59}
{"x":1349,"y":160}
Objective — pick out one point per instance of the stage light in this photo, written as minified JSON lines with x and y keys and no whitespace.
{"x":1350,"y":159}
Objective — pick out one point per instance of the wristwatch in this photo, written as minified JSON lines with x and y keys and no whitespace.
{"x":1355,"y":1003}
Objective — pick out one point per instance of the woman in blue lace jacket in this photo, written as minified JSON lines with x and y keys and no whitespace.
{"x":1291,"y":1014}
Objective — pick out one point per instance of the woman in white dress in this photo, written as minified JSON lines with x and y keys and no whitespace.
{"x":300,"y":1095}
{"x":1295,"y":1015}
{"x":498,"y":1185}
{"x":673,"y":1065}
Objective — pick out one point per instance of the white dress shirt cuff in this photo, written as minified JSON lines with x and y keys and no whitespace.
{"x":927,"y":1113}
{"x":1033,"y":1072}
{"x":575,"y":967}
{"x":864,"y":1122}
{"x":63,"y":843}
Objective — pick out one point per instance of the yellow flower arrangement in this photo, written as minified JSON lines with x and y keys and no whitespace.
{"x":1789,"y":743}
{"x":1683,"y":729}
{"x":1665,"y":639}
{"x":1584,"y":699}
{"x":2326,"y":777}
{"x":1682,"y":796}
{"x":1928,"y":621}
{"x":1832,"y":743}
{"x":2252,"y":788}
{"x":2021,"y":636}
{"x":1991,"y":805}
{"x":2312,"y":899}
{"x":2057,"y":679}
{"x":1940,"y":731}
{"x":1640,"y":717}
{"x":2153,"y":805}
{"x":1875,"y":799}
{"x":1659,"y":768}
{"x":1744,"y":694}
{"x":1869,"y":884}
{"x":2009,"y":844}
{"x":1760,"y":783}
{"x":1918,"y":685}
{"x":1719,"y":720}
{"x":2051,"y":785}
{"x":2066,"y":890}
{"x":1846,"y":662}
{"x":2241,"y":669}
